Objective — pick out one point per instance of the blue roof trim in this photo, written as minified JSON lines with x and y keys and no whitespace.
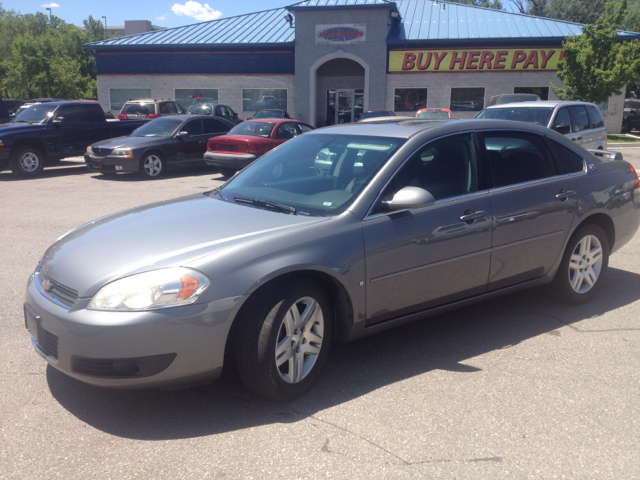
{"x":266,"y":28}
{"x":422,"y":23}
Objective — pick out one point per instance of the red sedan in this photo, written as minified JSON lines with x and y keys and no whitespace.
{"x":250,"y":140}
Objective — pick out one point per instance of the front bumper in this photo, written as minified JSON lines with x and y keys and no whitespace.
{"x":185,"y":343}
{"x":109,"y":163}
{"x":236,"y":161}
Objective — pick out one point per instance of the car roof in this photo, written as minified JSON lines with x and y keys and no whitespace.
{"x":539,"y":104}
{"x":409,"y":128}
{"x":273,"y":120}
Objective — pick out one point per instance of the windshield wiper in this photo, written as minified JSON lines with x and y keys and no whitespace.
{"x":278,"y":207}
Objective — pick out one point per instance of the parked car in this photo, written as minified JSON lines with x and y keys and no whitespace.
{"x":47,"y":132}
{"x":215,"y":110}
{"x":631,"y":115}
{"x":279,"y":262}
{"x":149,"y":108}
{"x":375,"y":114}
{"x":581,"y":122}
{"x":163,"y":143}
{"x":433,"y":113}
{"x":271,"y":113}
{"x":512,"y":98}
{"x":250,"y":140}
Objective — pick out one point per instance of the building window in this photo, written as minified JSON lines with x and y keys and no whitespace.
{"x":542,"y":92}
{"x":409,"y":99}
{"x":254,"y":99}
{"x":467,"y":99}
{"x":188,"y":96}
{"x":119,"y":96}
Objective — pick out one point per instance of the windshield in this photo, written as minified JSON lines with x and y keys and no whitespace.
{"x":255,"y":129}
{"x":317,"y":175}
{"x":201,"y":109}
{"x":36,"y":113}
{"x":160,"y":127}
{"x":439,"y":114}
{"x":267,"y":114}
{"x":537,"y":115}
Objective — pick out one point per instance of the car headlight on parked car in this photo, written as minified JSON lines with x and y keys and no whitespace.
{"x":164,"y":288}
{"x":89,"y":150}
{"x":123,"y":152}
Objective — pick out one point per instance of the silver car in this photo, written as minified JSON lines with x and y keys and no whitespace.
{"x":403,"y":220}
{"x":580,"y":122}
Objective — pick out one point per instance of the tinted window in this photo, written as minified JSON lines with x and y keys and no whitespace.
{"x":94,"y":114}
{"x":160,"y":127}
{"x":214,"y":126}
{"x":595,"y":117}
{"x":304,"y":128}
{"x":445,"y":168}
{"x":76,"y":114}
{"x":168,"y":108}
{"x":579,"y":118}
{"x":571,"y":161}
{"x":562,"y":118}
{"x":194,"y":127}
{"x":517,"y":158}
{"x":287,"y":131}
{"x":179,"y":108}
{"x":137,"y":109}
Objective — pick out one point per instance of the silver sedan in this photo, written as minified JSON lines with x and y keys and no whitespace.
{"x":403,"y":220}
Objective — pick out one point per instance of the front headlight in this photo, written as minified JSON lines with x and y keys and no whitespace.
{"x":123,"y":152}
{"x":164,"y":288}
{"x":89,"y":150}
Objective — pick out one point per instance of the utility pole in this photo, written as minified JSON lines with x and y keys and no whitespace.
{"x":49,"y":14}
{"x":106,"y":32}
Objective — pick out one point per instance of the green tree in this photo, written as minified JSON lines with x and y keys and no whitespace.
{"x":596,"y":64}
{"x":579,"y":11}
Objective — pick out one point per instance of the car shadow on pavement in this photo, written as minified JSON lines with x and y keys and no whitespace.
{"x":189,"y":171}
{"x":63,"y":168}
{"x":444,"y":342}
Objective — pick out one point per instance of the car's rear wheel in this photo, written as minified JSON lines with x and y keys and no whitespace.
{"x":584,"y":264}
{"x":152,"y":165}
{"x":27,"y":161}
{"x":283,"y":339}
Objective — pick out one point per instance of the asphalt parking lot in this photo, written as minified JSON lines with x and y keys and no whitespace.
{"x":517,"y":387}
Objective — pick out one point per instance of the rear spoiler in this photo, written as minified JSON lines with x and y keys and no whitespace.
{"x":605,"y":154}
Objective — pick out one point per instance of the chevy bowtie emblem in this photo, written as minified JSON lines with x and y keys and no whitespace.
{"x":47,"y":285}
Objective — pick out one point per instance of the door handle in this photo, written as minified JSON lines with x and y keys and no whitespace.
{"x":471,"y":215}
{"x":564,"y":194}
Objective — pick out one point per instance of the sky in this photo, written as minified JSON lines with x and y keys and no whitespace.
{"x":164,"y":13}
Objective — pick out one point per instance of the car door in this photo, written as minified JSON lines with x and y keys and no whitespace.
{"x":286,"y":131}
{"x":580,"y":127}
{"x":598,"y":129}
{"x":75,"y":129}
{"x":212,"y":128}
{"x":420,"y":258}
{"x":193,"y":146}
{"x":533,"y":204}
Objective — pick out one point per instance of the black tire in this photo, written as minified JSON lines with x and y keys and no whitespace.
{"x":152,"y":165}
{"x":579,"y":279}
{"x":227,"y":172}
{"x":27,"y":161}
{"x":265,"y":323}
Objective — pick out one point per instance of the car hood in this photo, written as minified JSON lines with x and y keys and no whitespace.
{"x":130,"y":142}
{"x":164,"y":234}
{"x":11,"y":128}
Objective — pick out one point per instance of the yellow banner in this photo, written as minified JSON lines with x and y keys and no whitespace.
{"x":474,"y":60}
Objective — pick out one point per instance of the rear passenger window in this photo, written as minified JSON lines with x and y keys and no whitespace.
{"x":168,"y":108}
{"x":194,"y":127}
{"x":570,"y":160}
{"x":595,"y":116}
{"x":517,"y":158}
{"x":214,"y":126}
{"x":579,"y":118}
{"x":562,"y":118}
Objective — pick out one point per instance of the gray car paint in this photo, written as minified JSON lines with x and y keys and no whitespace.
{"x":242,"y":248}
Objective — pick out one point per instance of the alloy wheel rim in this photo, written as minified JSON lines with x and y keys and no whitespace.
{"x":153,"y":165}
{"x":299,"y":340}
{"x":29,"y":162}
{"x":585,"y":264}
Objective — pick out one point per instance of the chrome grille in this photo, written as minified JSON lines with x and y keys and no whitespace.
{"x":55,"y":291}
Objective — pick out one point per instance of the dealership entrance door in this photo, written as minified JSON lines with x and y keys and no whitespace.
{"x":344,"y":105}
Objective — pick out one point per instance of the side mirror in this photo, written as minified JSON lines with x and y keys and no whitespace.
{"x":409,"y":197}
{"x":563,"y":129}
{"x":182,"y":135}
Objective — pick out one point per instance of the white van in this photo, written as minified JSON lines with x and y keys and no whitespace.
{"x":582,"y":122}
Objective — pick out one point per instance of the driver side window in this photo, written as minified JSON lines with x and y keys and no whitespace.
{"x":446,"y":168}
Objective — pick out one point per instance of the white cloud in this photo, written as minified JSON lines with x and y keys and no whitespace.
{"x":196,"y":10}
{"x":163,"y":17}
{"x":50,"y":5}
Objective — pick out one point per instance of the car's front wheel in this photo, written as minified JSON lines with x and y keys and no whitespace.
{"x":584,"y":264}
{"x":152,"y":165}
{"x":283,"y":339}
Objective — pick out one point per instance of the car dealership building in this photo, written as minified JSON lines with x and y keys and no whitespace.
{"x":326,"y":61}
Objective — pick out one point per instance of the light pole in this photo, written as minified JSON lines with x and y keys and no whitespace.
{"x":49,"y":14}
{"x":105,"y":26}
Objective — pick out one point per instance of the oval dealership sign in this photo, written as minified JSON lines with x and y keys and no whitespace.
{"x":341,"y":34}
